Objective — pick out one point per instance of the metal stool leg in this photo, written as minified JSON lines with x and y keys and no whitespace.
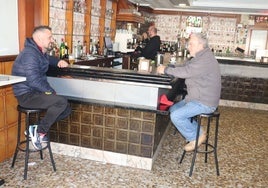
{"x":41,"y":151}
{"x":182,"y":157}
{"x":195,"y":148}
{"x":206,"y":144}
{"x":18,"y":140}
{"x":27,"y":150}
{"x":50,"y":153}
{"x":216,"y":145}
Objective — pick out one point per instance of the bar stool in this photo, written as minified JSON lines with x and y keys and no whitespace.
{"x":23,"y":145}
{"x":209,"y":148}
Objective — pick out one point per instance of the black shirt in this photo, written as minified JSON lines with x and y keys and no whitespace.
{"x":151,"y":48}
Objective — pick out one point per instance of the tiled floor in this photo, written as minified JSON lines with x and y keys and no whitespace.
{"x":243,"y":161}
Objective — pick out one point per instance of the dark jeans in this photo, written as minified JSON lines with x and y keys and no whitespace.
{"x":178,"y":88}
{"x":56,"y":106}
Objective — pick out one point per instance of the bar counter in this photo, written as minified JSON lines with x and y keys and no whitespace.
{"x":115,"y":114}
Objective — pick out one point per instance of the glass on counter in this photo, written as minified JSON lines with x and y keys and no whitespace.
{"x":71,"y":59}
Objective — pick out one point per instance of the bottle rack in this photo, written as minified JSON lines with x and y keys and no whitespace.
{"x":220,"y":31}
{"x":81,"y":20}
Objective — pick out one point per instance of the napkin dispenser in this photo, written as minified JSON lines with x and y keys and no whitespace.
{"x":144,"y":65}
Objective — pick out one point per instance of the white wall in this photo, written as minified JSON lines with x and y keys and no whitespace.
{"x":9,"y":39}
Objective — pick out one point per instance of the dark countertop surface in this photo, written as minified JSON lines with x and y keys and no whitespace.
{"x":91,"y":72}
{"x":233,"y":61}
{"x":240,"y":61}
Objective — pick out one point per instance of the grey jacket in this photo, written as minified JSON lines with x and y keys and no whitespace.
{"x":202,"y":78}
{"x":32,"y":64}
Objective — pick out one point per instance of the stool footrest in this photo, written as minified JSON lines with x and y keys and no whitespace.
{"x":21,"y":148}
{"x":212,"y":148}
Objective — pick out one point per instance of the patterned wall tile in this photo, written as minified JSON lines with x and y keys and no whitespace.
{"x":109,"y":134}
{"x":134,"y":149}
{"x":86,"y":129}
{"x":146,"y":139}
{"x":97,"y":131}
{"x":123,"y":112}
{"x":97,"y":143}
{"x":109,"y":145}
{"x":122,"y":135}
{"x":98,"y":119}
{"x":63,"y":138}
{"x":121,"y":147}
{"x":135,"y":125}
{"x":74,"y":139}
{"x":135,"y":114}
{"x":146,"y":151}
{"x":85,"y":141}
{"x":75,"y":128}
{"x":149,"y":116}
{"x":86,"y":117}
{"x":86,"y":108}
{"x":148,"y":126}
{"x":110,"y":111}
{"x":134,"y":137}
{"x":109,"y":122}
{"x":98,"y":109}
{"x":122,"y":123}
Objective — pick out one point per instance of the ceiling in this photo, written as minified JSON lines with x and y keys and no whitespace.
{"x":254,"y":7}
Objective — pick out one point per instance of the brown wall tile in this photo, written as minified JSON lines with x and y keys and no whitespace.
{"x":122,"y":123}
{"x":135,"y":125}
{"x":121,"y":147}
{"x":134,"y":137}
{"x":146,"y":139}
{"x":122,"y":135}
{"x":85,"y":141}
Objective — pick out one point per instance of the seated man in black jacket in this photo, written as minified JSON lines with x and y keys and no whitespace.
{"x":36,"y":92}
{"x":152,"y":46}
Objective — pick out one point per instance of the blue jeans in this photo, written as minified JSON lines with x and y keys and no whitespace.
{"x":181,"y":114}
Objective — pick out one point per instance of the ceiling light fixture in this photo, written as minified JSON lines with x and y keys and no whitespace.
{"x":180,"y":3}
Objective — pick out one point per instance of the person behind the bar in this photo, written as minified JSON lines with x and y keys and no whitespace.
{"x":149,"y":51}
{"x":145,"y":38}
{"x":33,"y":63}
{"x":203,"y":81}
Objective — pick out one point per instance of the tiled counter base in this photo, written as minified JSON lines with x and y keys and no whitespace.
{"x":122,"y":136}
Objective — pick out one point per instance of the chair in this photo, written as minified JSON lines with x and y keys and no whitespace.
{"x":209,"y":148}
{"x":23,"y":144}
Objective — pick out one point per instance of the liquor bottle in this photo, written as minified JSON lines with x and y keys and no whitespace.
{"x":66,"y":55}
{"x":62,"y":49}
{"x":84,"y":48}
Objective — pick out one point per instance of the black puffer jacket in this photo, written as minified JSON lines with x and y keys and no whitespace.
{"x":32,"y":64}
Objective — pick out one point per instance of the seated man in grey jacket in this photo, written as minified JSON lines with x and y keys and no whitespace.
{"x":35,"y":92}
{"x":203,"y":80}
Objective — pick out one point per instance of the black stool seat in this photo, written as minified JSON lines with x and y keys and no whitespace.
{"x":23,"y":143}
{"x":209,"y":148}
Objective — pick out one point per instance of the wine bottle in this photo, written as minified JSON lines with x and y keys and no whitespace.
{"x":62,"y":49}
{"x":66,"y":55}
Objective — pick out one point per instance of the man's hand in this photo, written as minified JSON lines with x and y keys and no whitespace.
{"x":161,"y":69}
{"x":62,"y":64}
